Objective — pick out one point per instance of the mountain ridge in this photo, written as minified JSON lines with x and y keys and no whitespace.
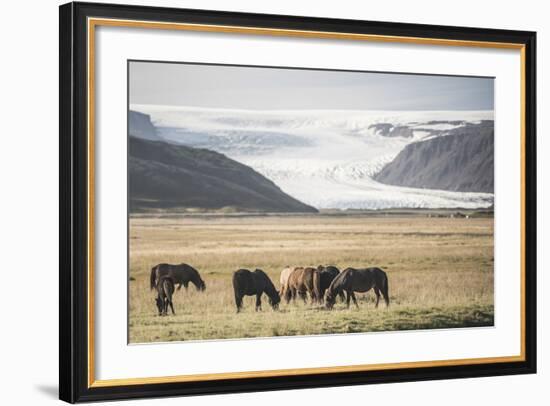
{"x":167,"y":176}
{"x":461,"y":161}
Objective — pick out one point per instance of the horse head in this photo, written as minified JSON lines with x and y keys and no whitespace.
{"x":273,"y":295}
{"x":274,"y":300}
{"x":330,"y":299}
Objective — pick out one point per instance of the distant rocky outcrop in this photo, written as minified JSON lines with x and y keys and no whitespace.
{"x":140,"y":126}
{"x":167,"y":176}
{"x":462,"y":161}
{"x":389,"y":130}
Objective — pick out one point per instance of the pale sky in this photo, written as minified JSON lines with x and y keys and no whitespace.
{"x":240,"y":87}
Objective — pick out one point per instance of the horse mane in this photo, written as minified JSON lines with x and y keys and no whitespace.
{"x":270,"y":290}
{"x":332,"y":287}
{"x":199,"y":283}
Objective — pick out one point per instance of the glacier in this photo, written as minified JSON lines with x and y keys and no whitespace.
{"x":324,"y":158}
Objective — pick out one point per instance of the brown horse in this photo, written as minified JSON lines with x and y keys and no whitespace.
{"x":165,"y":290}
{"x":302,"y":281}
{"x":246,"y":283}
{"x":283,"y":279}
{"x":181,"y":274}
{"x":352,"y":280}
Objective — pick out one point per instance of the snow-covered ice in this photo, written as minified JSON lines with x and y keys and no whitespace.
{"x":325,"y":158}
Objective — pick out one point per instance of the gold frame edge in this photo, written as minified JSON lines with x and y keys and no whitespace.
{"x":91,"y":25}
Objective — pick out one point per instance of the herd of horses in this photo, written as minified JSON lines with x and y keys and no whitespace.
{"x":322,"y":285}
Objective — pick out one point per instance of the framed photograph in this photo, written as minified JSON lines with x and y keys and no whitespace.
{"x":258,"y":202}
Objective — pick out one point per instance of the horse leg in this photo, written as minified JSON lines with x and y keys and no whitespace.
{"x":311,"y":295}
{"x":354,"y":299}
{"x":377,"y":292}
{"x":171,"y":306}
{"x":386,"y":294}
{"x":165,"y":307}
{"x":238,"y":302}
{"x":303,"y":295}
{"x":322,"y":298}
{"x":185,"y":285}
{"x":179,"y":286}
{"x":259,"y":302}
{"x":348,"y":297}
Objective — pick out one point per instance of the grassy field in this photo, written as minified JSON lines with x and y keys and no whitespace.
{"x":440,"y":272}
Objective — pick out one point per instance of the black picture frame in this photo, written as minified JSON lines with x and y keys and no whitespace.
{"x":74,"y":385}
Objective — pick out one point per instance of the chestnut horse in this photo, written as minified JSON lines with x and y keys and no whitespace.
{"x":283,"y":279}
{"x":302,"y":281}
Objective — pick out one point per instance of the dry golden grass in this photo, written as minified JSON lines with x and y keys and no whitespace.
{"x":440,"y":273}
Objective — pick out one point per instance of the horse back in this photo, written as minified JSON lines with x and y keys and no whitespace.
{"x":180,"y":273}
{"x":244,"y":282}
{"x":285,"y":274}
{"x":296,"y":278}
{"x":327,"y":275}
{"x":309,"y":275}
{"x":365,"y":279}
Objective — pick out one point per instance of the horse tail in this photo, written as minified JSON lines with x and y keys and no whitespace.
{"x":167,"y":285}
{"x":153,"y":276}
{"x":235,"y":281}
{"x":317,"y":285}
{"x":237,"y":291}
{"x":385,"y":288}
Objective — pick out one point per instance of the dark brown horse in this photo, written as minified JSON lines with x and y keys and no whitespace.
{"x":181,"y":274}
{"x":246,"y":283}
{"x":165,"y":290}
{"x":327,"y":275}
{"x":303,"y":281}
{"x":358,"y":280}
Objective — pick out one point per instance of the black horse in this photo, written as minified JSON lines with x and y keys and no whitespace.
{"x":182,"y":274}
{"x":165,"y":290}
{"x":246,"y":283}
{"x":328,"y":273}
{"x":358,"y":280}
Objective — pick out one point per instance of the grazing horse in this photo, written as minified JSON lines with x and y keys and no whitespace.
{"x":358,"y":280}
{"x":327,"y":274}
{"x":303,"y":281}
{"x":246,"y":283}
{"x":165,"y":290}
{"x":182,"y":274}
